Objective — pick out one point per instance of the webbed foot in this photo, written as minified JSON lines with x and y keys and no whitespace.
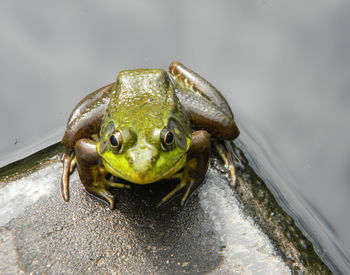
{"x":91,"y":174}
{"x":195,"y":169}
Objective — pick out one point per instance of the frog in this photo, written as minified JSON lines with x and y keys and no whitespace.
{"x":149,"y":125}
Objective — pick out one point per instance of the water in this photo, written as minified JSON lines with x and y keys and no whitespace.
{"x":283,"y":66}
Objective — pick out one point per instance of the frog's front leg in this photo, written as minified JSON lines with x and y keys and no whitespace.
{"x":195,"y":169}
{"x":91,"y":174}
{"x":84,"y":121}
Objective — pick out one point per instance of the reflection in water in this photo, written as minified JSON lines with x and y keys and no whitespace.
{"x":284,"y":67}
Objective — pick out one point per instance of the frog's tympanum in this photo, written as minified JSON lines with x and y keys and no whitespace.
{"x":149,"y":125}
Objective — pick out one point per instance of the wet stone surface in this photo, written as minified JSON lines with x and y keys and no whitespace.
{"x":222,"y":229}
{"x":83,"y":236}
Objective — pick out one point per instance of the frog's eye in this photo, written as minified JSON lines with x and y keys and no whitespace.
{"x":116,"y":141}
{"x":106,"y":135}
{"x":167,"y":139}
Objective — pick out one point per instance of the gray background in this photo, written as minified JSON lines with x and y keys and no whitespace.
{"x":283,"y":66}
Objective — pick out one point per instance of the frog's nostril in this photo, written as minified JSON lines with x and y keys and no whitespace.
{"x":153,"y":159}
{"x":130,"y":157}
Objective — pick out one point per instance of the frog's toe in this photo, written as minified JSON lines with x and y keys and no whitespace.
{"x":119,"y":185}
{"x":66,"y":160}
{"x":227,"y":159}
{"x":172,"y":193}
{"x":104,"y":194}
{"x":72,"y":165}
{"x":189,"y":185}
{"x":110,"y":199}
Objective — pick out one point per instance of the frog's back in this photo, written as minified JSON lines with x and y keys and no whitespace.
{"x":142,"y":95}
{"x":142,"y":86}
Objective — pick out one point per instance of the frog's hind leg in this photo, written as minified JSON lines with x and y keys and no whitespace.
{"x":195,"y":169}
{"x":72,"y":164}
{"x":208,"y":110}
{"x":90,"y":172}
{"x":188,"y":80}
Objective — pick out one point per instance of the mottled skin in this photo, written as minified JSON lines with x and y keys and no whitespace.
{"x":149,"y":125}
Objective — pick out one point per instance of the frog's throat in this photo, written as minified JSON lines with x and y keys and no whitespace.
{"x":167,"y":174}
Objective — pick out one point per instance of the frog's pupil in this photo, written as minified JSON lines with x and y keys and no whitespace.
{"x":169,"y":138}
{"x":113,"y":140}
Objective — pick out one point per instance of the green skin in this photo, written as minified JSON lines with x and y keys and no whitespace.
{"x":148,"y":126}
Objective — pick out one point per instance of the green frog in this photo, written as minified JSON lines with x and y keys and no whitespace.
{"x":149,"y":125}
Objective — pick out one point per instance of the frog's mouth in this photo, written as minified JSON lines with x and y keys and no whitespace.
{"x":146,"y":178}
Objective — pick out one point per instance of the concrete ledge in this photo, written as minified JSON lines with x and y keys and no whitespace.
{"x":216,"y":232}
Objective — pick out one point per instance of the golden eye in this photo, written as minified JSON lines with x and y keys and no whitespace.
{"x":106,"y":136}
{"x":116,"y":141}
{"x":167,"y":139}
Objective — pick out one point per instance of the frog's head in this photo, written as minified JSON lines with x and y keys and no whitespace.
{"x":145,"y":134}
